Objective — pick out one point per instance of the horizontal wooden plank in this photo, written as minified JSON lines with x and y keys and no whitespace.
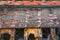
{"x":28,"y":3}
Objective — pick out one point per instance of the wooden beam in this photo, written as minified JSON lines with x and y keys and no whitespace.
{"x":53,"y":34}
{"x":40,"y":34}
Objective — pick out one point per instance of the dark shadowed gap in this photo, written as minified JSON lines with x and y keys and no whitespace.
{"x":31,"y":37}
{"x":58,"y":33}
{"x":45,"y":33}
{"x":5,"y":36}
{"x":19,"y":34}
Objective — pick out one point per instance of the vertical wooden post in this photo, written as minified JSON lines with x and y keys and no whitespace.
{"x":39,"y":21}
{"x":12,"y":35}
{"x":53,"y":34}
{"x":40,"y":34}
{"x":25,"y":38}
{"x":25,"y":34}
